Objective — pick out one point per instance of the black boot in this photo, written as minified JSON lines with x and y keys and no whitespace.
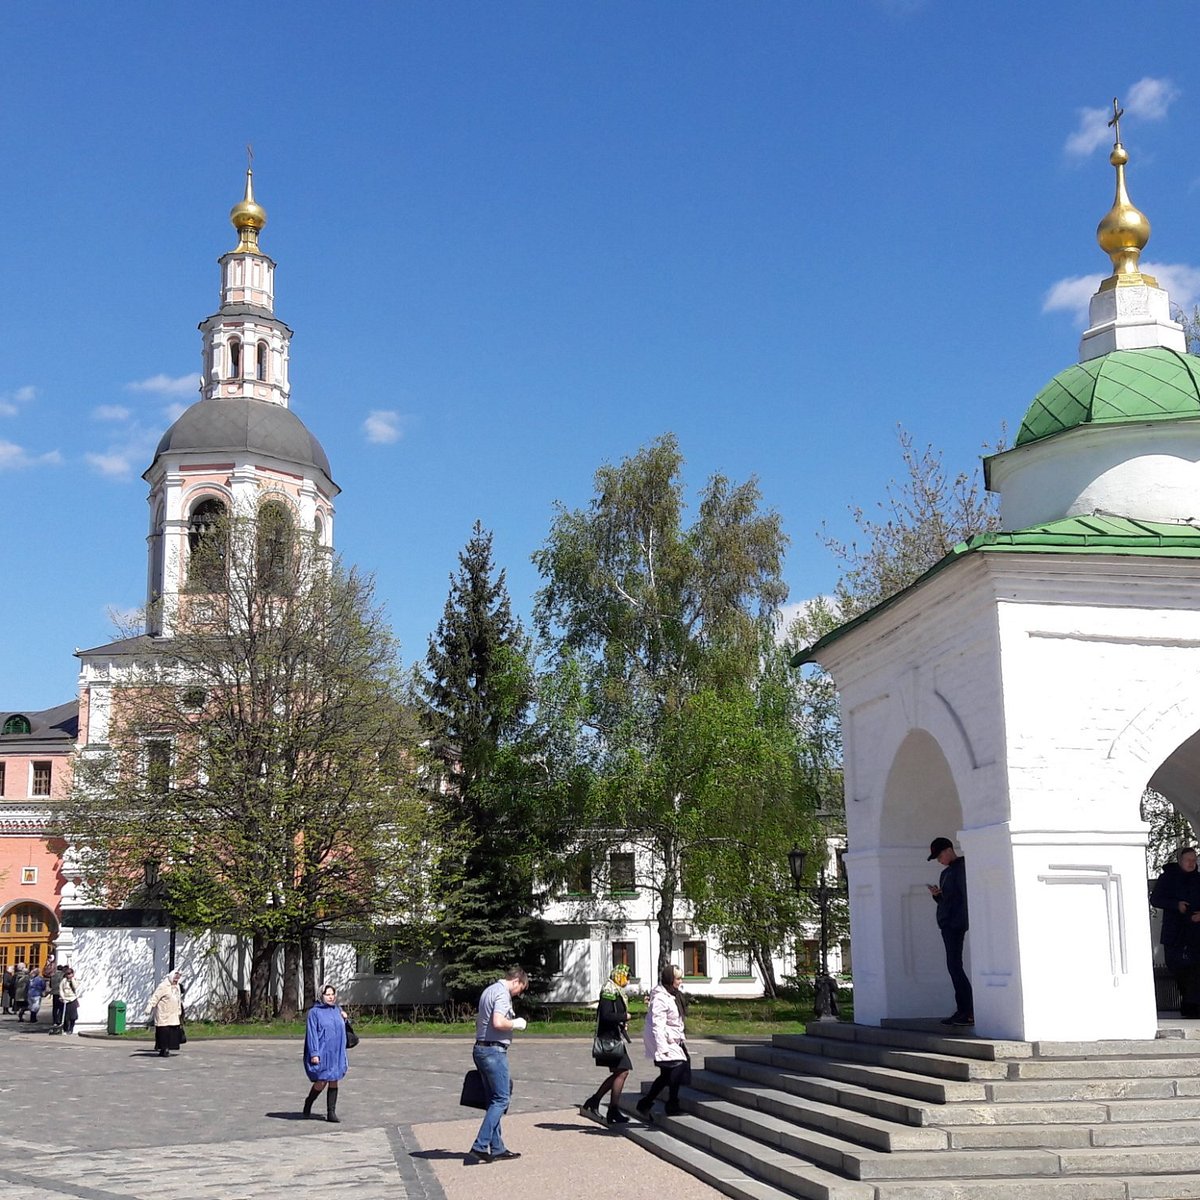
{"x":313,"y":1093}
{"x":591,"y":1106}
{"x":331,"y":1106}
{"x":616,"y":1116}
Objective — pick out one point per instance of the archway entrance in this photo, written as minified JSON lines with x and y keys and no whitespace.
{"x":27,"y":933}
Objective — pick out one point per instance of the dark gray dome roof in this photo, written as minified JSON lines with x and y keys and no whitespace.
{"x":259,"y":425}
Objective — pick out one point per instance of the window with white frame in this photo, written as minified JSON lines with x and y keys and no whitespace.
{"x":695,"y":960}
{"x":29,"y":874}
{"x":376,"y":959}
{"x":158,"y":766}
{"x":39,"y":779}
{"x":622,"y":879}
{"x":737,"y":963}
{"x":624,"y":954}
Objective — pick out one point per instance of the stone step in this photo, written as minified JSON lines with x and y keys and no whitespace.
{"x":773,"y":1167}
{"x":863,"y":1129}
{"x":1163,"y":1047}
{"x":857,"y":1162}
{"x":1025,"y":1137}
{"x":1022,"y":1091}
{"x":884,"y":1079}
{"x":1142,"y":1067}
{"x":825,"y":1091}
{"x":938,"y":1040}
{"x":1130,"y":1160}
{"x":725,"y":1177}
{"x":1005,"y":1189}
{"x":1154,"y":1110}
{"x":939,"y":1064}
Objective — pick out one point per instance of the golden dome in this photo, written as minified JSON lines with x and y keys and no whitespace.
{"x":248,"y":218}
{"x":1125,"y":229}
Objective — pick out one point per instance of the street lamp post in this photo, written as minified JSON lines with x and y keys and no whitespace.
{"x":824,"y":985}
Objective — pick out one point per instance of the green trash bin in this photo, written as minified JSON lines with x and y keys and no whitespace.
{"x":116,"y":1017}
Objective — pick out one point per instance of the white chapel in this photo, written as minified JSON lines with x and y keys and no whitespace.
{"x":1021,"y":696}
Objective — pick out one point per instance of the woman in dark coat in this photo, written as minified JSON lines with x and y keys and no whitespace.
{"x":325,"y":1051}
{"x":612,"y":1019}
{"x":1177,"y":893}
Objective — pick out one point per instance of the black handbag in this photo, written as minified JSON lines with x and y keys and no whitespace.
{"x":352,"y":1038}
{"x":474,"y":1092}
{"x":607,"y":1049}
{"x":182,"y":1035}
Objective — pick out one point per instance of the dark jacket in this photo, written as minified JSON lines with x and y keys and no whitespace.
{"x":1173,"y":885}
{"x":952,"y":903}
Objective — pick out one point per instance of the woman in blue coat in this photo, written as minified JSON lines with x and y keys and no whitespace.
{"x":325,"y":1051}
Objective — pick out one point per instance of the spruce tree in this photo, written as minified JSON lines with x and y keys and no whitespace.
{"x":477,"y":691}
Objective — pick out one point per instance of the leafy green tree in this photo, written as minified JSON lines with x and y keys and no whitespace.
{"x":261,"y":753}
{"x":477,"y":688}
{"x":659,"y":625}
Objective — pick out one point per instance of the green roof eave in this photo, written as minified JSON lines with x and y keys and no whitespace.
{"x":1093,"y":535}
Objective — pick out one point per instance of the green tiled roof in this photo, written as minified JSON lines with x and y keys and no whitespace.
{"x":1072,"y":535}
{"x":1126,"y":385}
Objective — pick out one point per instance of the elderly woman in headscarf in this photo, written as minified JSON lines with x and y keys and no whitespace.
{"x":325,"y":1052}
{"x":612,"y":1019}
{"x":166,"y":1008}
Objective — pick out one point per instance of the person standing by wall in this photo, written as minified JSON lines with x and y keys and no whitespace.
{"x":495,"y":1023}
{"x":7,"y":986}
{"x":666,"y":1041}
{"x":56,"y":1001}
{"x":20,"y":990}
{"x":35,"y":989}
{"x":325,"y":1061}
{"x":165,"y":1007}
{"x":950,"y":895}
{"x":70,"y":994}
{"x":1177,"y":893}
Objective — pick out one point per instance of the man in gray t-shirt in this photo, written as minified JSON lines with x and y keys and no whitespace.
{"x":494,"y":1026}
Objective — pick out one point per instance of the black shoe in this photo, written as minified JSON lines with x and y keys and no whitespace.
{"x":643,"y":1107}
{"x":308,"y":1103}
{"x":961,"y":1019}
{"x":478,"y":1156}
{"x":590,"y":1107}
{"x":331,"y":1106}
{"x":506,"y":1154}
{"x":616,"y":1117}
{"x":673,"y":1109}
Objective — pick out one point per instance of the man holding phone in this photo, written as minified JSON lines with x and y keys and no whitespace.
{"x":950,"y":895}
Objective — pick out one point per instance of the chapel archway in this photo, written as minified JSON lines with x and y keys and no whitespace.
{"x":920,"y":802}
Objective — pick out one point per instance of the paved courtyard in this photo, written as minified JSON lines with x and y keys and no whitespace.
{"x":106,"y":1120}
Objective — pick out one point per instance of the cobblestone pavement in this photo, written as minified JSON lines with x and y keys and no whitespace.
{"x":107,"y":1120}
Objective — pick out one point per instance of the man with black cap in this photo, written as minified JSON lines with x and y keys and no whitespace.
{"x":950,"y":894}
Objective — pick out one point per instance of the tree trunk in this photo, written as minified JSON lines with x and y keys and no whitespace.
{"x":308,"y":968}
{"x":666,"y":911}
{"x":766,"y":968}
{"x":289,"y":1004}
{"x":261,"y":960}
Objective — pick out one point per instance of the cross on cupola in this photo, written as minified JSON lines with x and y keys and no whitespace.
{"x":245,"y":345}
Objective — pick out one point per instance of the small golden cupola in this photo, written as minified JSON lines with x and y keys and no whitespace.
{"x":248,"y":217}
{"x":1125,"y":229}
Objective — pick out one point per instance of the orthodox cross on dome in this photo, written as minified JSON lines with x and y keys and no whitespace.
{"x":250,"y":152}
{"x":248,"y":216}
{"x":1114,"y":124}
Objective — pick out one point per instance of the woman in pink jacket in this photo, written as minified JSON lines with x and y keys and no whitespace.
{"x":665,"y":1041}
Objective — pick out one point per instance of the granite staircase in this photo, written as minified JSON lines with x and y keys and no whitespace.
{"x":854,"y":1112}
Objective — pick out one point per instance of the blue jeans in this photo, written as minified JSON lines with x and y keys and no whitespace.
{"x":492,"y":1062}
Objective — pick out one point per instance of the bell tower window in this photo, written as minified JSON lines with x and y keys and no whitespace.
{"x":235,"y":359}
{"x":208,"y":540}
{"x":262,"y":362}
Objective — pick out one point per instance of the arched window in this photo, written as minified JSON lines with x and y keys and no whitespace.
{"x":208,"y":540}
{"x":235,"y":359}
{"x":262,"y":362}
{"x":17,"y":724}
{"x":156,"y":556}
{"x":319,"y":530}
{"x":276,"y":537}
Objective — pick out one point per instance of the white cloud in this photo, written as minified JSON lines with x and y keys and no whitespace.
{"x":116,"y":464}
{"x":174,"y":411}
{"x":1147,"y":100}
{"x":1072,"y":294}
{"x":383,"y":427}
{"x":166,"y":385}
{"x":110,"y":412}
{"x":14,"y":457}
{"x":9,"y":401}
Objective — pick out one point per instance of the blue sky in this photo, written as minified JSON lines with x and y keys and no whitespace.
{"x":516,"y":240}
